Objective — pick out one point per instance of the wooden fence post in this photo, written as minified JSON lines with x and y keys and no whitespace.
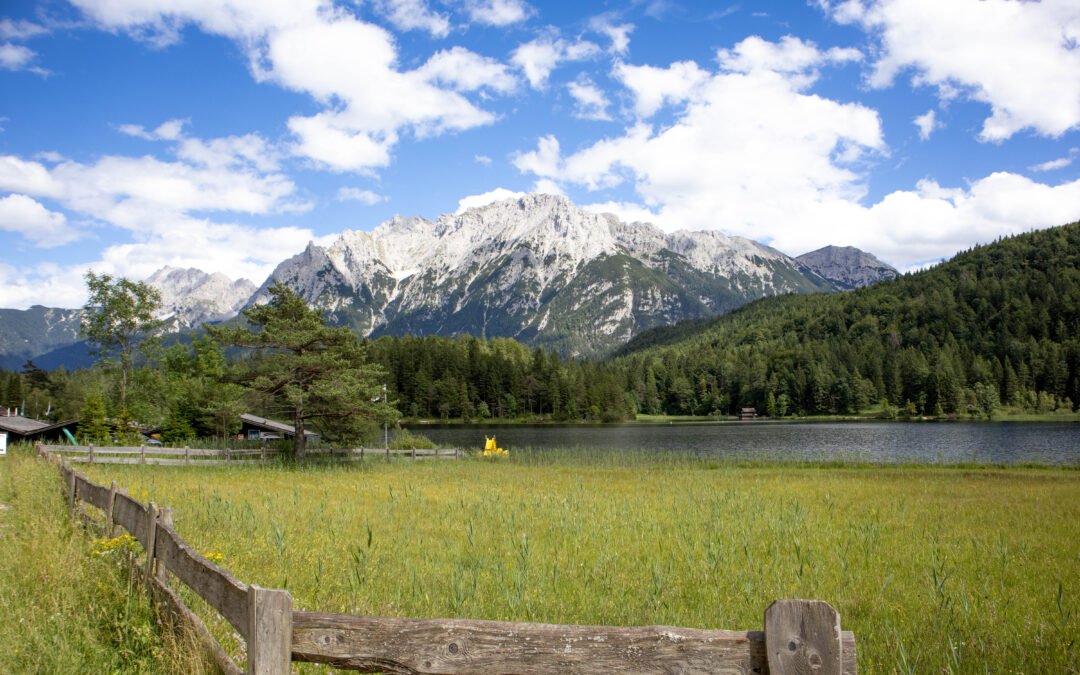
{"x":269,"y":644}
{"x":72,"y":496}
{"x":142,"y":454}
{"x":91,"y":454}
{"x":803,"y":636}
{"x":151,"y":540}
{"x":165,"y":517}
{"x":187,"y":455}
{"x":109,"y":518}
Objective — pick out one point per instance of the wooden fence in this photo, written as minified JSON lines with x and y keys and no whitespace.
{"x":800,"y":636}
{"x":156,"y":454}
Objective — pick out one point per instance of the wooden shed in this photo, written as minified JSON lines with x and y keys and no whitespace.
{"x":748,"y":414}
{"x":255,"y":428}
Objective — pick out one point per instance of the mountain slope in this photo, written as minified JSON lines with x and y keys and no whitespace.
{"x":996,"y":323}
{"x":847,"y":266}
{"x":538,"y":269}
{"x":191,"y":297}
{"x":29,"y":333}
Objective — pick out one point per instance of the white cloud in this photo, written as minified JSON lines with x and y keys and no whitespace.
{"x":789,"y":55}
{"x":1059,"y":163}
{"x":16,"y":57}
{"x":485,"y":198}
{"x":169,"y":130}
{"x":591,"y":102}
{"x":619,"y":34}
{"x":546,"y":186}
{"x":482,"y":160}
{"x":26,"y":216}
{"x":359,"y":195}
{"x":414,"y":15}
{"x":20,"y":30}
{"x":927,"y":123}
{"x":1020,"y":58}
{"x":464,"y":70}
{"x":653,"y":87}
{"x":498,"y":12}
{"x":627,"y":212}
{"x":537,"y":58}
{"x":323,"y":50}
{"x":160,"y":208}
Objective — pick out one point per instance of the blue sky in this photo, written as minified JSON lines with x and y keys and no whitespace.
{"x":226,"y":134}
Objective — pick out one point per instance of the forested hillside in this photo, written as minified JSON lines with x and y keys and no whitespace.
{"x":999,"y":323}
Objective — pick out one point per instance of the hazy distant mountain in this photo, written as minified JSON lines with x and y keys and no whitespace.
{"x":29,"y":333}
{"x":538,"y":269}
{"x":847,"y":266}
{"x":190,"y":297}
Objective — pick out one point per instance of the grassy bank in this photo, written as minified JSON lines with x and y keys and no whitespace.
{"x":932,"y":568}
{"x":69,"y":604}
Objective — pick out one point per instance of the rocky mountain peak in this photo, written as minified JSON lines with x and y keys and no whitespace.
{"x":191,"y":296}
{"x":847,"y":266}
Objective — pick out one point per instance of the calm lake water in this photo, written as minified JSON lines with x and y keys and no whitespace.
{"x":882,"y":442}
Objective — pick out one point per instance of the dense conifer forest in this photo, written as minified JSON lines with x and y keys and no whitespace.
{"x":998,"y":325}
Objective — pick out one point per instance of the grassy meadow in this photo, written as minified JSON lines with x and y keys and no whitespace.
{"x":67,"y":601}
{"x":935,"y":569}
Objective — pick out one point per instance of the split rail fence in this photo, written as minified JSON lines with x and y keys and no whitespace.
{"x":800,"y":636}
{"x":156,"y":454}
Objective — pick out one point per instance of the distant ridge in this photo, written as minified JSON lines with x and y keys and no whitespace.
{"x":847,"y":266}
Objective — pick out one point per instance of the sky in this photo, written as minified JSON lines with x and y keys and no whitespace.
{"x":227,"y":134}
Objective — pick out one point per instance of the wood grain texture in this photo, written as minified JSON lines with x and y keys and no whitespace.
{"x":270,"y":635}
{"x":217,"y":587}
{"x":802,"y":637}
{"x":130,"y":514}
{"x":464,"y":646}
{"x":167,"y":598}
{"x":92,"y":493}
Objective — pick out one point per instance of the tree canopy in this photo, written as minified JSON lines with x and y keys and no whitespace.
{"x":307,"y":370}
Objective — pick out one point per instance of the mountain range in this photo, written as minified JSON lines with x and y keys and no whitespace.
{"x":536,"y":268}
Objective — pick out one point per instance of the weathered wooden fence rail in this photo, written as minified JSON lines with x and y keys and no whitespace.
{"x":154,"y":454}
{"x":800,"y":636}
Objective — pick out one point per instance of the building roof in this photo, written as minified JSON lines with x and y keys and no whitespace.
{"x":27,"y":426}
{"x":271,"y":425}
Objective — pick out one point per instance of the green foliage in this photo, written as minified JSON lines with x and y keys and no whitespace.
{"x":117,"y":318}
{"x":72,"y":604}
{"x":306,"y":369}
{"x":997,"y":324}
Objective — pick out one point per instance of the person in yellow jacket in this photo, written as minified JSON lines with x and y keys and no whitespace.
{"x":491,"y":449}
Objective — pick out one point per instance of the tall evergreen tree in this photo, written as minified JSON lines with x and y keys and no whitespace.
{"x":318,"y":374}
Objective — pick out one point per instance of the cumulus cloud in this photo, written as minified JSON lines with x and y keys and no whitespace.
{"x":463,"y":70}
{"x":482,"y":160}
{"x":17,"y":57}
{"x":1020,"y":58}
{"x":618,"y":33}
{"x":170,"y":130}
{"x":326,"y":52}
{"x":498,"y":12}
{"x":537,"y":58}
{"x":11,"y":29}
{"x":752,"y":152}
{"x":927,"y":124}
{"x":414,"y":15}
{"x":37,"y":224}
{"x":354,"y":194}
{"x":162,"y":208}
{"x":485,"y":198}
{"x":591,"y":102}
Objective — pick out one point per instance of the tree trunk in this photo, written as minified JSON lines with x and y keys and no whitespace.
{"x":299,"y":438}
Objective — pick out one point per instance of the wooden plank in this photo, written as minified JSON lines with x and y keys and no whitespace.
{"x":93,"y":493}
{"x":217,"y":587}
{"x":165,"y":519}
{"x":803,"y":636}
{"x":463,"y":646}
{"x":180,"y":611}
{"x":130,"y":514}
{"x":270,"y":641}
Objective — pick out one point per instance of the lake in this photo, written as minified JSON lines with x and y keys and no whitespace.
{"x":878,"y":442}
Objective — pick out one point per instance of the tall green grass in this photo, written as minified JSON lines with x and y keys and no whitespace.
{"x":935,"y":569}
{"x":68,"y":603}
